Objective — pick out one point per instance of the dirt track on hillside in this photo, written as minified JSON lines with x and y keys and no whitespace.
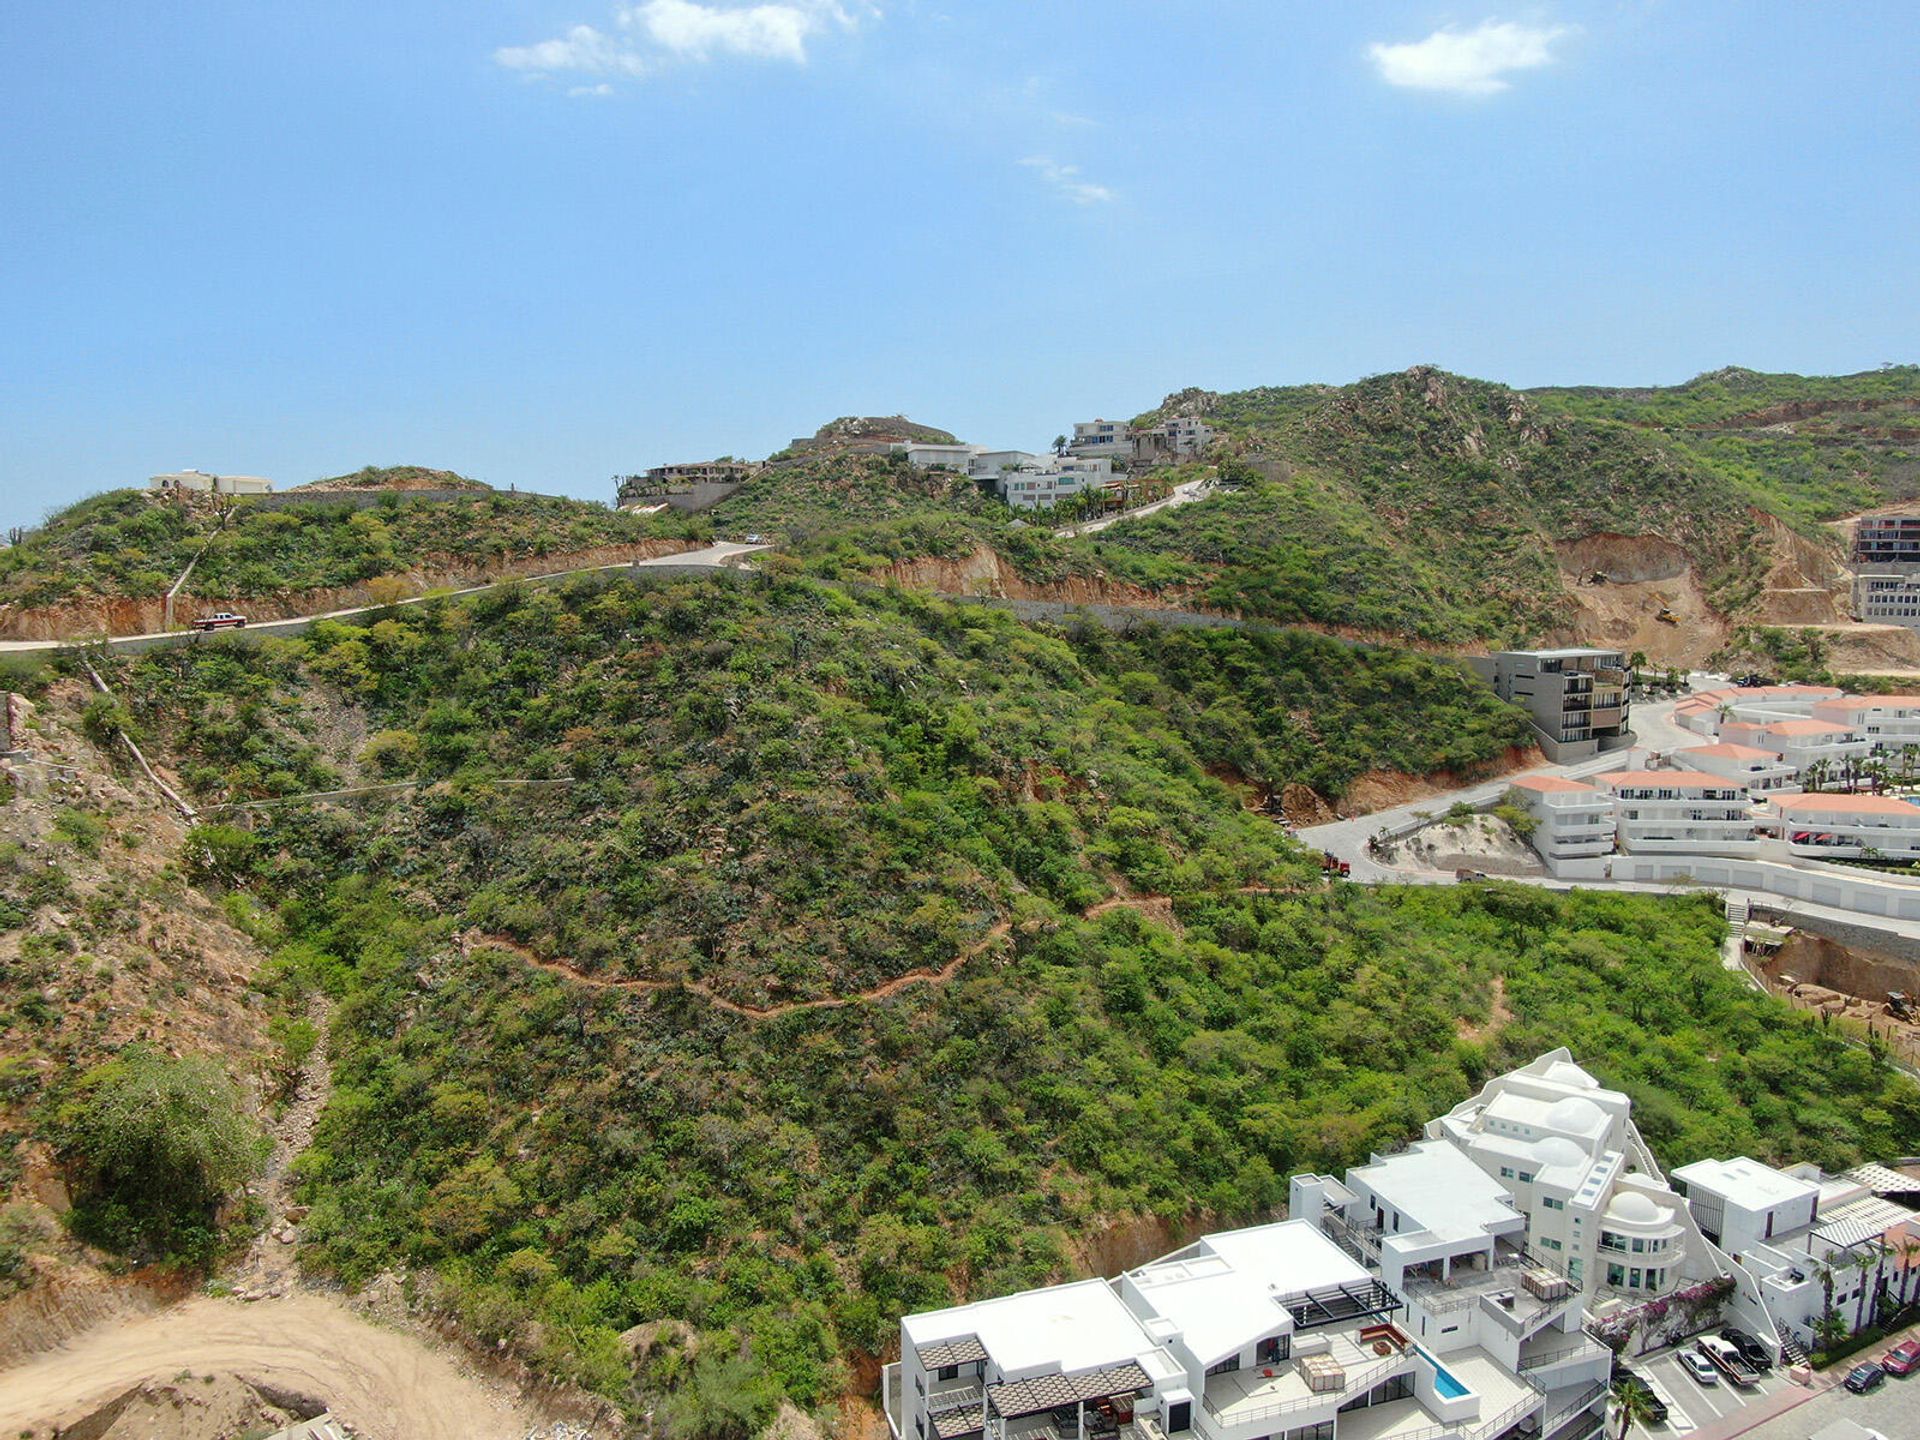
{"x":385,"y":1384}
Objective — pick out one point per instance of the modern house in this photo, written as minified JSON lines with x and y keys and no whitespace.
{"x":1273,"y":1331}
{"x":1565,"y":1149}
{"x":1680,"y":812}
{"x":1808,"y":1242}
{"x":1181,"y":437}
{"x":1762,"y":772}
{"x":1103,"y":439}
{"x":1835,"y":826}
{"x":923,"y":455}
{"x":200,"y":482}
{"x":1576,"y":698}
{"x":1571,"y":820}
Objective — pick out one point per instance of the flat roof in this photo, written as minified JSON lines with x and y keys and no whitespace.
{"x":1747,"y":1181}
{"x":1229,"y":1288}
{"x":1826,"y":803}
{"x":1574,"y":652}
{"x":1072,"y":1327}
{"x":1436,"y":1186}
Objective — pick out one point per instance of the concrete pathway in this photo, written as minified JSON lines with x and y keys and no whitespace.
{"x":1182,"y":494}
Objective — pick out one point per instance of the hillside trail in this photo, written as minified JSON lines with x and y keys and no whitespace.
{"x":1160,"y":906}
{"x":385,"y":1382}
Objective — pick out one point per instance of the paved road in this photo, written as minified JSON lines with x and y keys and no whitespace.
{"x":1182,"y":494}
{"x":724,"y":552}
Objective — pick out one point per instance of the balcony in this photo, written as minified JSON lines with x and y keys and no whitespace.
{"x":1520,"y":1290}
{"x":1555,"y":1360}
{"x":1257,"y":1401}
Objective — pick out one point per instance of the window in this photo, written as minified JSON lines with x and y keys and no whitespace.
{"x":1634,"y":1282}
{"x":1506,"y":1172}
{"x":1639,"y":1246}
{"x":1574,"y":1267}
{"x":949,"y":1372}
{"x":1179,"y":1417}
{"x":1272,"y":1350}
{"x":1551,"y":1243}
{"x":1226,"y":1366}
{"x":1553,"y":1204}
{"x":1526,"y":1177}
{"x":1616,"y":1275}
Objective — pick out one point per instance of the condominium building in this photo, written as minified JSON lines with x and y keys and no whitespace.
{"x":1575,"y":698}
{"x":1566,"y":1150}
{"x":1886,"y":540}
{"x":1836,"y":826}
{"x":1762,"y":772}
{"x":1801,"y":743}
{"x":1571,"y":820}
{"x":1887,"y":596}
{"x":1800,"y":1236}
{"x":1103,"y":439}
{"x":1889,"y":723}
{"x":1182,"y":437}
{"x":1680,"y":812}
{"x":1272,"y":1331}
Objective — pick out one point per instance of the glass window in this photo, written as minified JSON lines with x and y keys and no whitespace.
{"x":1616,"y":1275}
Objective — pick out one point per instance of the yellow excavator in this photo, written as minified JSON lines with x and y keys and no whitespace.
{"x":1667,"y":617}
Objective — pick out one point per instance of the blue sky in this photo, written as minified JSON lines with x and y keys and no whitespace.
{"x":543,"y":241}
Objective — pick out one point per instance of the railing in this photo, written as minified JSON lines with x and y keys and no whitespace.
{"x":1507,"y":1418}
{"x":1566,"y":1412}
{"x":1562,"y":1352}
{"x":957,"y":1398}
{"x":1357,"y":1383}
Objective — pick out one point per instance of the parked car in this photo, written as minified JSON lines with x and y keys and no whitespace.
{"x":1699,"y":1367}
{"x":1902,"y":1359}
{"x":1863,"y":1377}
{"x":1751,"y":1350}
{"x":1656,"y":1407}
{"x":223,"y":620}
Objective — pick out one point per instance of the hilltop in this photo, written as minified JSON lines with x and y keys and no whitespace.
{"x":397,"y":477}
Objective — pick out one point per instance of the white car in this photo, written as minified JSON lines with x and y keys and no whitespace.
{"x":1699,"y":1367}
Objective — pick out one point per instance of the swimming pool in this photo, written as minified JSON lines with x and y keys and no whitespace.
{"x":1444,"y":1381}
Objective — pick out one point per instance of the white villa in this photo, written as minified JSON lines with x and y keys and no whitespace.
{"x":925,"y":455}
{"x":1680,"y":812}
{"x":199,"y":481}
{"x":1799,"y":1236}
{"x":1572,"y":820}
{"x":1889,"y":722}
{"x":1800,"y":742}
{"x":1103,"y":439}
{"x":1837,"y":825}
{"x":1595,"y":1202}
{"x":1761,"y":771}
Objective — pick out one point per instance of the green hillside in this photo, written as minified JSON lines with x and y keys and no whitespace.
{"x":134,"y":544}
{"x":779,"y":796}
{"x":814,"y":495}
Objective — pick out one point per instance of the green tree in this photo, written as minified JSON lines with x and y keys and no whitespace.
{"x":154,"y":1146}
{"x":1633,"y":1405}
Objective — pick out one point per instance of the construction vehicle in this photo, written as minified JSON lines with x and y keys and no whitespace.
{"x":1900,"y":1005}
{"x":1332,"y":865}
{"x":223,"y":620}
{"x":1666,"y":616}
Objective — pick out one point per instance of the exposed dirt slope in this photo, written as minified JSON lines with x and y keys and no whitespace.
{"x":984,"y":572}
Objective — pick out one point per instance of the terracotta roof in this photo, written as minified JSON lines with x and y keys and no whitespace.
{"x":1832,"y":804}
{"x":1551,"y":784}
{"x":1805,"y":727}
{"x":1872,"y":702}
{"x":1669,"y":777}
{"x":1727,"y":750}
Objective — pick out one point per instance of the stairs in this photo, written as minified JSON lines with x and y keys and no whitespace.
{"x":1792,"y":1352}
{"x":1736,"y":912}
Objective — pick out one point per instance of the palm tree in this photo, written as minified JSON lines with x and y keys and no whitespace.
{"x":1860,"y":1264}
{"x":1909,"y":1248}
{"x":1823,"y":1272}
{"x":1633,"y":1404}
{"x":1059,"y":444}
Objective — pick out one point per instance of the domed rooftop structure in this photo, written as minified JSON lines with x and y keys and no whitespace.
{"x":1558,"y":1150}
{"x":1576,"y":1116}
{"x":1633,"y":1208}
{"x":1565,"y":1072}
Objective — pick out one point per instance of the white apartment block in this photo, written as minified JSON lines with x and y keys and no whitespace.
{"x":1791,"y":1231}
{"x":1275,"y":1332}
{"x":1801,"y":743}
{"x":1761,"y":771}
{"x":1889,"y":723}
{"x":1889,"y":596}
{"x":1571,"y":820}
{"x":1680,"y":812}
{"x":1566,"y":1151}
{"x":201,"y":482}
{"x":1835,"y":826}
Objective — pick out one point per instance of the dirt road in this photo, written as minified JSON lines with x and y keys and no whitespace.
{"x":385,"y":1384}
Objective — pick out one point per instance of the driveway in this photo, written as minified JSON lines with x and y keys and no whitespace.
{"x":1182,"y":494}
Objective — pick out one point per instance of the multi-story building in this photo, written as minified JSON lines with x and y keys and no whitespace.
{"x":1889,"y":723}
{"x":1103,"y":439}
{"x":1182,"y":437}
{"x":1576,"y":698}
{"x":1806,"y":1241}
{"x":1571,"y":820}
{"x":1887,"y":597}
{"x":1595,"y":1203}
{"x":1762,"y":772}
{"x":1886,"y":540}
{"x":1680,"y":812}
{"x":201,"y":482}
{"x":1801,"y":743}
{"x":926,"y":455}
{"x":1273,"y":1331}
{"x":1834,"y":826}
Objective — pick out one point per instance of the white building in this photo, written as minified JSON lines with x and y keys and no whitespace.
{"x":1180,"y":437}
{"x":1566,"y":1150}
{"x":1800,"y":742}
{"x":1795,"y":1234}
{"x":1103,"y":439}
{"x":992,"y":464}
{"x":1888,"y":723}
{"x":1272,"y":1331}
{"x":926,"y":456}
{"x":1761,"y":771}
{"x":1838,"y":826}
{"x":201,"y":482}
{"x":1680,"y":812}
{"x":1571,"y":820}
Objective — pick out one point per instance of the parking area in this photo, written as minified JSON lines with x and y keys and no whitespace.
{"x":1692,"y":1406}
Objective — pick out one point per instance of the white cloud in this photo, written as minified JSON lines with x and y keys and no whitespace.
{"x":590,"y":92}
{"x":655,"y":33}
{"x":1066,"y":179}
{"x":1467,"y":62}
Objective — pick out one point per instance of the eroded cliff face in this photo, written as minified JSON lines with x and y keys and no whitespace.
{"x":147,"y":615}
{"x":984,"y":572}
